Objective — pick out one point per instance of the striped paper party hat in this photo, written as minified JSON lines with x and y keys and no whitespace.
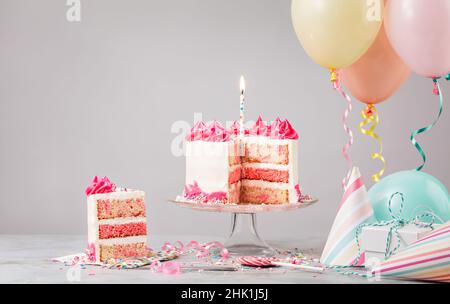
{"x":427,"y":259}
{"x":341,"y":248}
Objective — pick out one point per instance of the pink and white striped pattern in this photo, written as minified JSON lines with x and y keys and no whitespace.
{"x":428,"y":259}
{"x":254,"y":261}
{"x":341,"y":248}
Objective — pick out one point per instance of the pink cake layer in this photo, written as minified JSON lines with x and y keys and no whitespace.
{"x":266,"y":153}
{"x":259,"y":195}
{"x":234,"y":176}
{"x":270,"y":175}
{"x":107,"y":231}
{"x":122,"y":251}
{"x":115,"y":208}
{"x":234,"y":193}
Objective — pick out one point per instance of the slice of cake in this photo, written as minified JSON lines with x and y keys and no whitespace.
{"x":117,"y":223}
{"x":270,"y":164}
{"x":260,"y":167}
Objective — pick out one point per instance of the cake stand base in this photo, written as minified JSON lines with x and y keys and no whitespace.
{"x":244,"y":239}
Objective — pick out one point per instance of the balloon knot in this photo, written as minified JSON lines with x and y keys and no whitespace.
{"x":368,"y":111}
{"x":435,"y":88}
{"x":333,"y":75}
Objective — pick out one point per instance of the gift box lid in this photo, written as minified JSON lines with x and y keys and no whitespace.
{"x":374,"y":238}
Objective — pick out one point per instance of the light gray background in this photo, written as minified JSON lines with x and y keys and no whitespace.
{"x":99,"y":97}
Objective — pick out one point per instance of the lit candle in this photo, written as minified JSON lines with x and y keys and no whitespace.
{"x":242,"y":99}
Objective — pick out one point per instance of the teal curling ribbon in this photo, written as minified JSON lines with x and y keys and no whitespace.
{"x":424,"y":129}
{"x":395,"y":224}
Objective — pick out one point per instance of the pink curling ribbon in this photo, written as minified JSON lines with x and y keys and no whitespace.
{"x":170,"y":268}
{"x":337,"y":86}
{"x":177,"y":247}
{"x":201,"y":250}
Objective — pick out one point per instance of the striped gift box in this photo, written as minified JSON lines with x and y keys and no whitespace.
{"x":341,"y":248}
{"x":427,"y":259}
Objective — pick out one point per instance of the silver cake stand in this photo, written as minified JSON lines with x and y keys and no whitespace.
{"x":244,"y":239}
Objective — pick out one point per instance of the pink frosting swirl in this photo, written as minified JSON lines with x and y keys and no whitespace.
{"x":215,"y":132}
{"x":282,"y":130}
{"x":90,"y":252}
{"x":278,"y":129}
{"x":235,"y":129}
{"x":100,"y":185}
{"x":196,"y":132}
{"x":195,"y":193}
{"x":274,"y":127}
{"x":259,"y":128}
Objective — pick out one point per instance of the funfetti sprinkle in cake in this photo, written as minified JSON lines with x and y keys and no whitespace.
{"x":260,"y":167}
{"x":117,"y":223}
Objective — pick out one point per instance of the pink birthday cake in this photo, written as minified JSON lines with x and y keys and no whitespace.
{"x":260,"y":167}
{"x":117,"y":222}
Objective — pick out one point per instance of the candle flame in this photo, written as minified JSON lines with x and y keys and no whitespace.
{"x":242,"y":84}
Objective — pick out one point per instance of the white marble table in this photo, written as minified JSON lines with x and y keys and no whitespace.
{"x":27,"y":259}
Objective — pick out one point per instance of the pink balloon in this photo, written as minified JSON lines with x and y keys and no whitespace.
{"x":419,"y":31}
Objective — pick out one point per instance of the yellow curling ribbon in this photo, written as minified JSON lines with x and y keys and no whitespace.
{"x":370,"y":117}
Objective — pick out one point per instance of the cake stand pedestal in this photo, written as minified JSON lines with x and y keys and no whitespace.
{"x":244,"y":239}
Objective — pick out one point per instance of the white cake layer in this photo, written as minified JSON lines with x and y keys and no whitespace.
{"x":124,"y":240}
{"x":123,"y":220}
{"x":266,"y":166}
{"x":93,"y":221}
{"x":265,"y":184}
{"x":117,"y":195}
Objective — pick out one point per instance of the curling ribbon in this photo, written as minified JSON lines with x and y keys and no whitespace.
{"x":396,"y":223}
{"x":370,"y":116}
{"x":430,"y":126}
{"x":202,"y":250}
{"x":334,"y":78}
{"x":170,"y":268}
{"x":333,"y":75}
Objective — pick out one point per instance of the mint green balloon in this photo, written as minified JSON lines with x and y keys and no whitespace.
{"x":422,"y":192}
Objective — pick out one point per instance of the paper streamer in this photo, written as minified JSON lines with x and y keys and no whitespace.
{"x":437,"y":89}
{"x":334,"y":78}
{"x":355,"y":209}
{"x":428,"y":259}
{"x":370,"y":117}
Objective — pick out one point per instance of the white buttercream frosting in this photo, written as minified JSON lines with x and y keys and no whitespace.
{"x":207,"y":164}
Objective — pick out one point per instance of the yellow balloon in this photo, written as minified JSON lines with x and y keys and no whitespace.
{"x":335,"y":33}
